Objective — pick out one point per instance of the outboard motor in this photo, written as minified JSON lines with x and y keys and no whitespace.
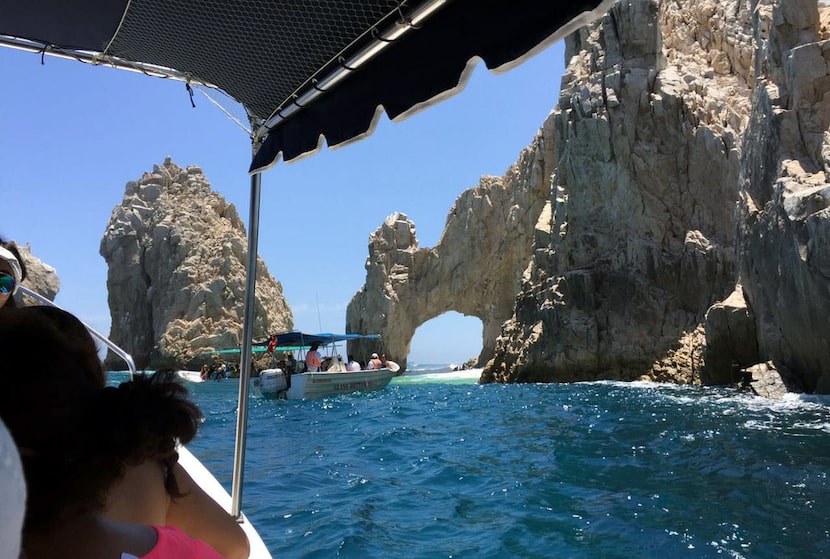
{"x":273,"y":383}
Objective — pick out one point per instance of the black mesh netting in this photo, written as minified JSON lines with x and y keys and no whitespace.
{"x":242,"y":45}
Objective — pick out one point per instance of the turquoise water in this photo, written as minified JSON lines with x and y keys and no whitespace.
{"x":437,"y":466}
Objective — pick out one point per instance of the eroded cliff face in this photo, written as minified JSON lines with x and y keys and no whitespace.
{"x":684,"y":234}
{"x":474,"y":269}
{"x":176,"y":253}
{"x":784,"y":224}
{"x":653,"y":103}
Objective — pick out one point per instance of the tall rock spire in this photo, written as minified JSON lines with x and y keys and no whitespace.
{"x":176,"y":253}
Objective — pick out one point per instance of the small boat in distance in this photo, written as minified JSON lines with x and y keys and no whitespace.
{"x":294,"y":382}
{"x":195,"y":377}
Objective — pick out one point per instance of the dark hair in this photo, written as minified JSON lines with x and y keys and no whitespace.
{"x":44,"y":387}
{"x":144,"y":419}
{"x":78,"y":339}
{"x":75,"y":436}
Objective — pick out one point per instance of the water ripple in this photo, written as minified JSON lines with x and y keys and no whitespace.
{"x":423,"y":470}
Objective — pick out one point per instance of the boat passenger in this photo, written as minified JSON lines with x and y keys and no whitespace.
{"x":95,"y":437}
{"x":312,"y":358}
{"x":374,"y":362}
{"x":12,"y":272}
{"x":50,"y":403}
{"x":272,"y":344}
{"x":353,"y":365}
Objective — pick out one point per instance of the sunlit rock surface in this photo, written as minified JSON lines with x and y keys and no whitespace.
{"x":40,"y":278}
{"x":784,"y":230}
{"x":670,"y":113}
{"x":474,"y":269}
{"x":643,"y":226}
{"x":685,"y":220}
{"x":176,"y":253}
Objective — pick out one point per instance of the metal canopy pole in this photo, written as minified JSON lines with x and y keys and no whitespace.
{"x":247,"y":342}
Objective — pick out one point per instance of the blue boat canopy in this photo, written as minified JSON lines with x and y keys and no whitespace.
{"x":297,"y":339}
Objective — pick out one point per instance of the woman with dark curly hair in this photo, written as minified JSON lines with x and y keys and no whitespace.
{"x":78,"y":439}
{"x":183,"y":504}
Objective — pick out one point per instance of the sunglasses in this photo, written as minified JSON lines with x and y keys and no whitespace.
{"x":7,"y":283}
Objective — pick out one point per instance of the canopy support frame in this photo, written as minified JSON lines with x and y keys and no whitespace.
{"x":246,"y":360}
{"x":96,"y":59}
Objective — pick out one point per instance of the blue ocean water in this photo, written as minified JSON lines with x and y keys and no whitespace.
{"x":438,"y":466}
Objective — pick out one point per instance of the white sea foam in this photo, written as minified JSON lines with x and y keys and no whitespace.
{"x":466,"y":376}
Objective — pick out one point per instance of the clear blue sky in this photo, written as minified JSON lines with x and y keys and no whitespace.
{"x":73,"y":135}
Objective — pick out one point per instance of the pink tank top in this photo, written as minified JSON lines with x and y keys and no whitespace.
{"x":173,"y":542}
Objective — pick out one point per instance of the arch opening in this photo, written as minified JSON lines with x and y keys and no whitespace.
{"x":450,"y":339}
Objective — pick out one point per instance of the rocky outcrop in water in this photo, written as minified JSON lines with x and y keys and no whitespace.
{"x":475,"y":268}
{"x":176,"y":253}
{"x":686,"y":221}
{"x":736,"y":113}
{"x":648,"y":124}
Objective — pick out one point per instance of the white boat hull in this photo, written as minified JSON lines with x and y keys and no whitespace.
{"x":212,"y":487}
{"x":307,"y":386}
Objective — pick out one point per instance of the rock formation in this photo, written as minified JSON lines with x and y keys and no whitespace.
{"x":648,"y":125}
{"x":736,"y":113}
{"x":40,"y":278}
{"x":685,"y":228}
{"x":474,"y":269}
{"x":176,"y":253}
{"x":784,"y":221}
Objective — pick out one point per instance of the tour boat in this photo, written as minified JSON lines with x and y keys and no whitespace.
{"x":277,"y":384}
{"x":299,"y":383}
